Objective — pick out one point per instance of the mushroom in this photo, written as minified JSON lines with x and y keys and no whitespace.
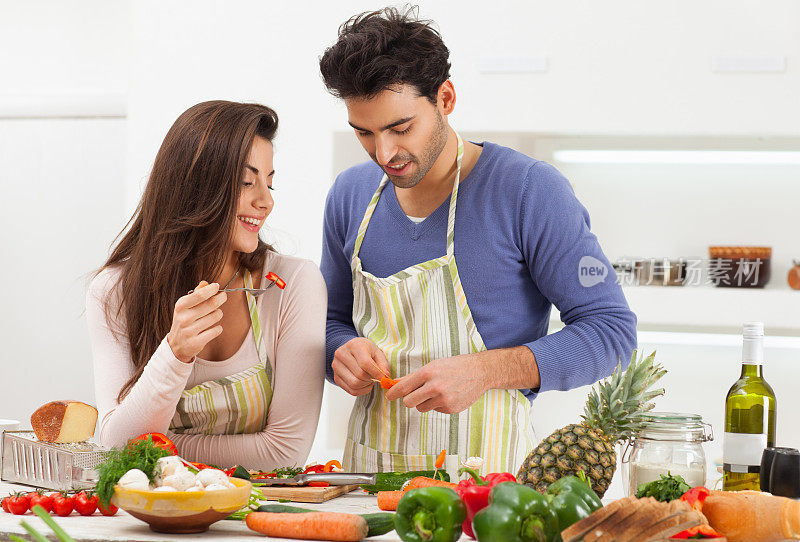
{"x":181,"y":480}
{"x":212,"y":476}
{"x":134,"y":479}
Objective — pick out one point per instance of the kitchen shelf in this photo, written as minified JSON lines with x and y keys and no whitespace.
{"x":711,"y":309}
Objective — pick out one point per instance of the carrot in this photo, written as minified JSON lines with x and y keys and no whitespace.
{"x":387,"y":500}
{"x":424,"y":481}
{"x":387,"y":383}
{"x":309,"y":526}
{"x":440,"y":459}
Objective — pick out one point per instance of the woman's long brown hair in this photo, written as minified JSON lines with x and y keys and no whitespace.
{"x":182,"y":230}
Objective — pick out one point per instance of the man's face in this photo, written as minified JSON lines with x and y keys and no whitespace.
{"x":404,"y":133}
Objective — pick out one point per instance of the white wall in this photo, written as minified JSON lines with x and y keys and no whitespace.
{"x":618,"y":67}
{"x":62,"y":172}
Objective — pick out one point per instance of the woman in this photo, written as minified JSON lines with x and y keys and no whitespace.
{"x":231,"y":378}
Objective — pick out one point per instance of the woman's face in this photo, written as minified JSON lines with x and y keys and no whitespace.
{"x":255,"y":201}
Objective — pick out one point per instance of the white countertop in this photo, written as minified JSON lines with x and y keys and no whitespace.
{"x":123,"y":527}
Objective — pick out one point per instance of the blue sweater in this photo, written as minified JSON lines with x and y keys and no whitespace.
{"x":521,"y":242}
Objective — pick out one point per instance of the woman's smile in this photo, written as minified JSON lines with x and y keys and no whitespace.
{"x":251,"y":223}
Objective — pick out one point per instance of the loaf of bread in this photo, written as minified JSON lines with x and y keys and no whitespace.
{"x":64,"y":421}
{"x":634,"y":520}
{"x":753,"y":516}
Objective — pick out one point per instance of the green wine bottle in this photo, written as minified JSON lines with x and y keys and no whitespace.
{"x":750,"y":414}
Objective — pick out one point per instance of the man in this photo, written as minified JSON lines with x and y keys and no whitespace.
{"x":447,"y":285}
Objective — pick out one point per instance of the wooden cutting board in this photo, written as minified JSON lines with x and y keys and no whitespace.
{"x":304,"y":494}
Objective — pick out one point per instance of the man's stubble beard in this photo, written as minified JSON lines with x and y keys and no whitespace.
{"x":431,"y":154}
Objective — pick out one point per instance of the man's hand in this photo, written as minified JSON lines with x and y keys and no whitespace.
{"x":447,"y":385}
{"x":356,"y":363}
{"x":450,"y":385}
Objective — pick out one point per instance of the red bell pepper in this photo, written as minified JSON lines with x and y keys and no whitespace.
{"x":314,"y":469}
{"x":695,"y":498}
{"x":331,"y":464}
{"x":160,"y":440}
{"x":474,"y":492}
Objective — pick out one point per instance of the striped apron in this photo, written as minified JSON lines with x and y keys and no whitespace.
{"x":416,"y":316}
{"x":234,"y":404}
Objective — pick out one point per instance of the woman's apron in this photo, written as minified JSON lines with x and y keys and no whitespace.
{"x":234,"y":404}
{"x":416,"y":316}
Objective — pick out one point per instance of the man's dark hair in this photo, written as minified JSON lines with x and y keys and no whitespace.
{"x":381,"y":48}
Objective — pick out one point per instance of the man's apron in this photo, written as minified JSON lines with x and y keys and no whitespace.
{"x":234,"y":404}
{"x":415,"y":316}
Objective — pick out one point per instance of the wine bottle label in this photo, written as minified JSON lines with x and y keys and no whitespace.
{"x":741,"y":452}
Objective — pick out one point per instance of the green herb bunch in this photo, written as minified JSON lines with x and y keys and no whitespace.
{"x":142,"y":455}
{"x":668,"y":488}
{"x":288,"y":472}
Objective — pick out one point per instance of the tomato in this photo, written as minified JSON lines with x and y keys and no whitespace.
{"x":4,"y":503}
{"x":160,"y":440}
{"x":110,"y":511}
{"x":86,"y":503}
{"x":19,"y":503}
{"x":45,"y":501}
{"x":63,"y":504}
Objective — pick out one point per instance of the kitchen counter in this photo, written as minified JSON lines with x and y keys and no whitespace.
{"x":124,"y":527}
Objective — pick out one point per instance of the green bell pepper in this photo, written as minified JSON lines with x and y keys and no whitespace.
{"x":572,"y":500}
{"x":430,"y":514}
{"x":516,"y":513}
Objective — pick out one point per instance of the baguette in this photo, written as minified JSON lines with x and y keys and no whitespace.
{"x":752,"y":516}
{"x":576,"y":531}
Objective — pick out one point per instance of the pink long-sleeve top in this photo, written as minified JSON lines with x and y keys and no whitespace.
{"x":293,"y":326}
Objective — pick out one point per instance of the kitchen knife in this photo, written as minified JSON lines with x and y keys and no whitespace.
{"x":333,"y":478}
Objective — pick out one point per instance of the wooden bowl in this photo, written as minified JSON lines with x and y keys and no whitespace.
{"x":182,"y":511}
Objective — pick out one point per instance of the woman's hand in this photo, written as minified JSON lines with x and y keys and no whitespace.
{"x":194,"y":321}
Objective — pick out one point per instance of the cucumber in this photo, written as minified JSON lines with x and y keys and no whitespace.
{"x":378,"y":523}
{"x":393,"y":481}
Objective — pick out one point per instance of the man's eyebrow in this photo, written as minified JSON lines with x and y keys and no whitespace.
{"x":390,"y":125}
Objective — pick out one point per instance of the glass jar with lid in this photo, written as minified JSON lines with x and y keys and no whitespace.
{"x":668,"y":442}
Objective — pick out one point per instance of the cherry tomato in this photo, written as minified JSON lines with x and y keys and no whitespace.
{"x":86,"y":503}
{"x":45,"y":501}
{"x":110,"y":511}
{"x":63,"y":504}
{"x":19,"y":503}
{"x":160,"y":440}
{"x":4,"y":503}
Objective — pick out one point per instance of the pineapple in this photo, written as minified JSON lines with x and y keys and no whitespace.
{"x":610,"y":416}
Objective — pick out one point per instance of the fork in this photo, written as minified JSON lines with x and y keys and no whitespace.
{"x":255,"y":292}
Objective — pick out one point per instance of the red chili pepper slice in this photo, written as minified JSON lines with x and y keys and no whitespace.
{"x":279,"y":282}
{"x":318,"y":484}
{"x":314,"y":469}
